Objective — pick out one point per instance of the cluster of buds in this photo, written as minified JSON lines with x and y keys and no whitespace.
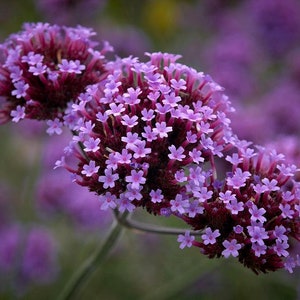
{"x":44,"y":67}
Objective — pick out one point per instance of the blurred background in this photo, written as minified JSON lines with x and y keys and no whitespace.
{"x":48,"y":226}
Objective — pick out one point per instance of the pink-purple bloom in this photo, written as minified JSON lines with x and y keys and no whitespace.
{"x":143,"y":155}
{"x":156,"y":135}
{"x":44,"y":67}
{"x":185,"y":240}
{"x":231,"y":248}
{"x":147,"y":123}
{"x":256,"y":225}
{"x":209,"y":236}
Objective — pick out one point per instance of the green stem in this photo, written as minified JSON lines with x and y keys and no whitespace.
{"x":91,"y":264}
{"x":142,"y":227}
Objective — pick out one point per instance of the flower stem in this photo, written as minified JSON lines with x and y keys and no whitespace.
{"x":143,"y":227}
{"x":91,"y":264}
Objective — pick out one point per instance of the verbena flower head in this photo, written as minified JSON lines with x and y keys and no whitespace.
{"x":252,"y":213}
{"x":44,"y":67}
{"x":144,"y":128}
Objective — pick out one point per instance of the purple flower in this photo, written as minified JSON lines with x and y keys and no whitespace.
{"x":156,"y":196}
{"x":39,"y":257}
{"x":255,"y":210}
{"x":227,"y":196}
{"x":179,"y":204}
{"x":270,"y":185}
{"x":125,"y":204}
{"x":107,"y":201}
{"x":235,"y":207}
{"x":259,"y":249}
{"x":9,"y":246}
{"x":136,"y":178}
{"x":209,"y":236}
{"x":234,"y":159}
{"x":231,"y":248}
{"x":280,"y":248}
{"x":194,"y":208}
{"x":54,"y":127}
{"x":203,"y":194}
{"x":66,"y":12}
{"x":18,"y":114}
{"x":40,"y":62}
{"x":238,"y":179}
{"x":139,"y":149}
{"x":90,"y":169}
{"x":286,"y":211}
{"x":185,"y":240}
{"x":257,"y":214}
{"x":257,"y":233}
{"x":161,"y":129}
{"x":21,"y":88}
{"x":91,"y":145}
{"x":290,"y":264}
{"x":108,"y":178}
{"x":149,"y":130}
{"x":176,"y":154}
{"x":133,"y":193}
{"x":37,"y":70}
{"x":279,"y":233}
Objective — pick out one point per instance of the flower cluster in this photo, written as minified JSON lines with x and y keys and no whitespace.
{"x":253,"y":212}
{"x":44,"y":67}
{"x":142,"y":128}
{"x":156,"y":135}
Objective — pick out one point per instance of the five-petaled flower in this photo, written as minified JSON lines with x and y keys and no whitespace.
{"x":185,"y":240}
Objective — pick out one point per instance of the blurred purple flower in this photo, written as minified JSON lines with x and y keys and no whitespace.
{"x":281,"y":107}
{"x":5,"y":204}
{"x":11,"y":237}
{"x":127,"y":40}
{"x":276,"y":23}
{"x":39,"y":263}
{"x":26,"y":257}
{"x":234,"y":59}
{"x":70,"y":12}
{"x":242,"y":122}
{"x":57,"y":194}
